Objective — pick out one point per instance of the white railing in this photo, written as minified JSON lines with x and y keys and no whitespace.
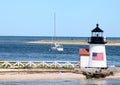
{"x":38,"y":64}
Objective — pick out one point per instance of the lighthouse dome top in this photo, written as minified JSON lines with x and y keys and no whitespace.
{"x":97,"y":36}
{"x":97,"y":29}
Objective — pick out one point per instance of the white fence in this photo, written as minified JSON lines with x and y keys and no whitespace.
{"x":38,"y":64}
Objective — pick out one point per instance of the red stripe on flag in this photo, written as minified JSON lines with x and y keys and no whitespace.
{"x":97,"y":56}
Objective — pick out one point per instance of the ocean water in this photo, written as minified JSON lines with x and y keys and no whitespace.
{"x":16,"y":48}
{"x":61,"y":82}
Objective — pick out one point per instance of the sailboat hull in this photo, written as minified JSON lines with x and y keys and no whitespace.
{"x":57,"y":48}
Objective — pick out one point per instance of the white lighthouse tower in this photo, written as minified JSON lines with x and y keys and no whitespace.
{"x":97,"y":50}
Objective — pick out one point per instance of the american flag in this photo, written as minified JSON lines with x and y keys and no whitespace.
{"x":97,"y":56}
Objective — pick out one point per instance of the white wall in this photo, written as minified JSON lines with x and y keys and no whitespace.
{"x":84,"y":61}
{"x":99,"y":48}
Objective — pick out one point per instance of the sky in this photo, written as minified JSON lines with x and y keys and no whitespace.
{"x":74,"y":18}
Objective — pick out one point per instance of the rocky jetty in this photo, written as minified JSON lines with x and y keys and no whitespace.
{"x":96,"y":73}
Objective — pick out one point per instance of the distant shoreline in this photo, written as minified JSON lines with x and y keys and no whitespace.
{"x":79,"y":42}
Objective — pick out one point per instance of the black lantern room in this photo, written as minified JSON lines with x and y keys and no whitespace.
{"x":97,"y":36}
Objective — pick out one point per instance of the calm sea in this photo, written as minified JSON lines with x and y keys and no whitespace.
{"x":62,"y":82}
{"x":16,"y":48}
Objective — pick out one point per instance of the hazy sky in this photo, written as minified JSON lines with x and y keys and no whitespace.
{"x":73,"y":17}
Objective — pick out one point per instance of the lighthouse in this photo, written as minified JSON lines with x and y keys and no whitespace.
{"x":97,"y":52}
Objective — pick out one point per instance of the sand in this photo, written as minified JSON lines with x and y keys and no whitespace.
{"x":71,"y":42}
{"x":14,"y":74}
{"x":41,"y":74}
{"x":115,"y":76}
{"x":60,"y":42}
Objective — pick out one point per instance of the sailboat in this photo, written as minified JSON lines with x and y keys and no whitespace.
{"x":56,"y":46}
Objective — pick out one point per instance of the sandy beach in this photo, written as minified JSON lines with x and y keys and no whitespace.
{"x":15,"y":74}
{"x":115,"y":76}
{"x":40,"y":74}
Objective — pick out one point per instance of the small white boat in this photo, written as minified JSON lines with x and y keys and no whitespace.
{"x":57,"y":47}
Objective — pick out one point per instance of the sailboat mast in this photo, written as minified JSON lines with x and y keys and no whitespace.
{"x":56,"y":46}
{"x":54,"y":26}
